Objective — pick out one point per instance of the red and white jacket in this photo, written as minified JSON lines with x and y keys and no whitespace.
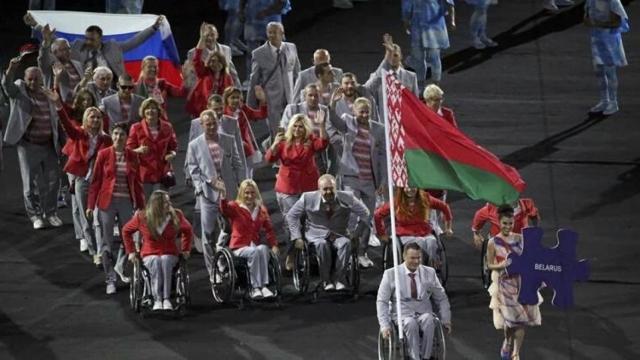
{"x":152,"y":164}
{"x":77,"y":146}
{"x":104,"y":179}
{"x":165,"y":244}
{"x":244,"y":228}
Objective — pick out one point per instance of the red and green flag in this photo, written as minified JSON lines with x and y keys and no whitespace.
{"x":428,"y":152}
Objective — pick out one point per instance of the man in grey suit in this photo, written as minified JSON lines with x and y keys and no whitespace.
{"x":308,"y":75}
{"x":33,"y":127}
{"x":211,"y":45}
{"x":419,"y":286}
{"x":327,"y":214}
{"x":212,"y":158}
{"x":94,"y":52}
{"x":100,"y":87}
{"x":275,"y":67}
{"x":72,"y":71}
{"x":392,"y":62}
{"x":124,"y":105}
{"x":363,"y":165}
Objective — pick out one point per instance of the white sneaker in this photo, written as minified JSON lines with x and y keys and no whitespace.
{"x":118,"y":270}
{"x":266,"y":293}
{"x":340,"y":286}
{"x":84,"y":246}
{"x":54,"y":220}
{"x":256,"y":294}
{"x":489,"y":42}
{"x":364,"y":261}
{"x":111,"y":288}
{"x":97,"y":260}
{"x":157,"y":305}
{"x":116,"y":231}
{"x":612,"y":108}
{"x":478,"y":45}
{"x":373,"y":240}
{"x":599,"y":107}
{"x":329,"y":287}
{"x":166,"y":305}
{"x":38,"y":223}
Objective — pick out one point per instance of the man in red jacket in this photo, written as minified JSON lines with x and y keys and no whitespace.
{"x":524,"y":210}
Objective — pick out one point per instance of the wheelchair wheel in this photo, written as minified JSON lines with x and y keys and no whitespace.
{"x":225,"y":276}
{"x":390,"y":349}
{"x":439,"y":349}
{"x":183,"y":297}
{"x":354,"y":274}
{"x":136,"y":288}
{"x":442,"y":269}
{"x":275,"y":274}
{"x":387,"y":255}
{"x":301,"y":269}
{"x":485,"y":273}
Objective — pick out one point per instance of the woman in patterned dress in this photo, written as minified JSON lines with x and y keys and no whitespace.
{"x":508,"y":313}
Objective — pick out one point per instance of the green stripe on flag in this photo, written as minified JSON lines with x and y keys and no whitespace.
{"x":430,"y":171}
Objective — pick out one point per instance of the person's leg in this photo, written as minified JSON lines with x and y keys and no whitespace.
{"x":612,"y":89}
{"x":28,"y":159}
{"x":518,"y":338}
{"x":124,"y":211}
{"x":75,"y":214}
{"x":418,"y":59}
{"x":343,"y":252}
{"x":429,"y":244}
{"x":104,"y":245}
{"x":262,"y":265}
{"x":427,"y":325}
{"x":412,"y":337}
{"x":82,"y":194}
{"x":209,"y":222}
{"x":603,"y":89}
{"x":323,"y":250}
{"x":51,"y":181}
{"x":476,"y":24}
{"x":368,"y":197}
{"x":250,"y":253}
{"x":151,"y":262}
{"x":433,"y":56}
{"x":133,"y":6}
{"x":167,"y":262}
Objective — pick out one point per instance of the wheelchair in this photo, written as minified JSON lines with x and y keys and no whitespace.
{"x":441,"y":263}
{"x":485,"y":273}
{"x":141,"y":298}
{"x":306,"y":262}
{"x":392,"y":349}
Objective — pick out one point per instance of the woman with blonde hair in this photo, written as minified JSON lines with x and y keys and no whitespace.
{"x":83,"y":143}
{"x":149,"y":85}
{"x":296,"y":150}
{"x":155,"y":142}
{"x":159,"y":226}
{"x":249,"y":217}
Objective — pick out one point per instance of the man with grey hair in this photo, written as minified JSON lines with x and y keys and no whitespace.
{"x":122,"y":106}
{"x":275,"y":67}
{"x":33,"y":127}
{"x":100,"y":86}
{"x":308,"y":75}
{"x":72,"y":70}
{"x":211,"y":45}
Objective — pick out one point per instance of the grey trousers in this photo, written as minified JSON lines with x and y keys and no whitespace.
{"x":209,"y":221}
{"x":161,"y":271}
{"x":79,"y":200}
{"x":419,"y":347}
{"x":324,"y":250}
{"x":365,"y":191}
{"x":285,"y":203}
{"x":258,"y":261}
{"x":77,"y":229}
{"x":108,"y":246}
{"x":40,"y":171}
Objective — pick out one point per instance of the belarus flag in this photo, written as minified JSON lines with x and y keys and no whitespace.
{"x":120,"y":27}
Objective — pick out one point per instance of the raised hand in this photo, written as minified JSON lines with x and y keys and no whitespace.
{"x":158,"y":22}
{"x":47,"y":33}
{"x":57,"y":69}
{"x":260,"y":95}
{"x":29,"y":20}
{"x":337,"y":95}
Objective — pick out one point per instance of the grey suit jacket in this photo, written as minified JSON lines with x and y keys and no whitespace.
{"x":226,"y":51}
{"x":300,"y":108}
{"x":308,"y":76}
{"x":342,"y":106}
{"x":317,"y":224}
{"x":202,"y":169}
{"x":279,"y":87}
{"x":46,"y":61}
{"x":430,"y":290}
{"x":347,"y":125}
{"x":111,"y":105}
{"x":97,"y":97}
{"x":20,"y":115}
{"x":228,"y":126}
{"x":406,"y":78}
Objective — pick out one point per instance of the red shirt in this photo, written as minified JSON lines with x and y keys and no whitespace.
{"x":489,"y":212}
{"x":298,"y":170}
{"x":244,"y":229}
{"x":243,"y":116}
{"x":152,"y":164}
{"x":414,"y":225}
{"x":77,"y":146}
{"x":206,"y":85}
{"x":165,"y":244}
{"x":104,"y":179}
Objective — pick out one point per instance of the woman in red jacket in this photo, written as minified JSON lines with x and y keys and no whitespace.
{"x":159,"y":226}
{"x":150,"y":86}
{"x":213,"y":76}
{"x":412,"y":208}
{"x":234,"y":106}
{"x":249,"y":217}
{"x":296,"y":149}
{"x":115,"y":190}
{"x":155,"y":142}
{"x":83,"y":143}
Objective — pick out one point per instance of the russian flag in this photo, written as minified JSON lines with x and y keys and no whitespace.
{"x":71,"y":25}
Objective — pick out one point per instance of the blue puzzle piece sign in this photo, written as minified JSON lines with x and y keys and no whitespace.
{"x":557,"y":267}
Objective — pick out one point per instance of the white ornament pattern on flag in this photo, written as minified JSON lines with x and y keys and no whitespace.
{"x":394,"y":102}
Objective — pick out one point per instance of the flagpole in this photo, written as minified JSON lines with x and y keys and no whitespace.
{"x":394,"y":240}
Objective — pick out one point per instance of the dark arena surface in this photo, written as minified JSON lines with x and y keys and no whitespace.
{"x":526,"y":101}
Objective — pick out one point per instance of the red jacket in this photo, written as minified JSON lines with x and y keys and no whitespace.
{"x":152,"y":164}
{"x":77,"y":146}
{"x":166,"y":88}
{"x":298,"y":171}
{"x":413,"y":225}
{"x":447,"y":114}
{"x":166,"y":244}
{"x":244,"y":115}
{"x":105,"y":117}
{"x":489,"y":213}
{"x":244,"y":229}
{"x":104,"y":179}
{"x":205,"y":86}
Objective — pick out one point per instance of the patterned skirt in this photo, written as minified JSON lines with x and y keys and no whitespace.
{"x":507,"y":311}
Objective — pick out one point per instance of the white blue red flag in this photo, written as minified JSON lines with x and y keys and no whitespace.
{"x":71,"y":25}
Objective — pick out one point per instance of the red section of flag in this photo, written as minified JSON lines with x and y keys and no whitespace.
{"x":166,"y":70}
{"x":393,"y":88}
